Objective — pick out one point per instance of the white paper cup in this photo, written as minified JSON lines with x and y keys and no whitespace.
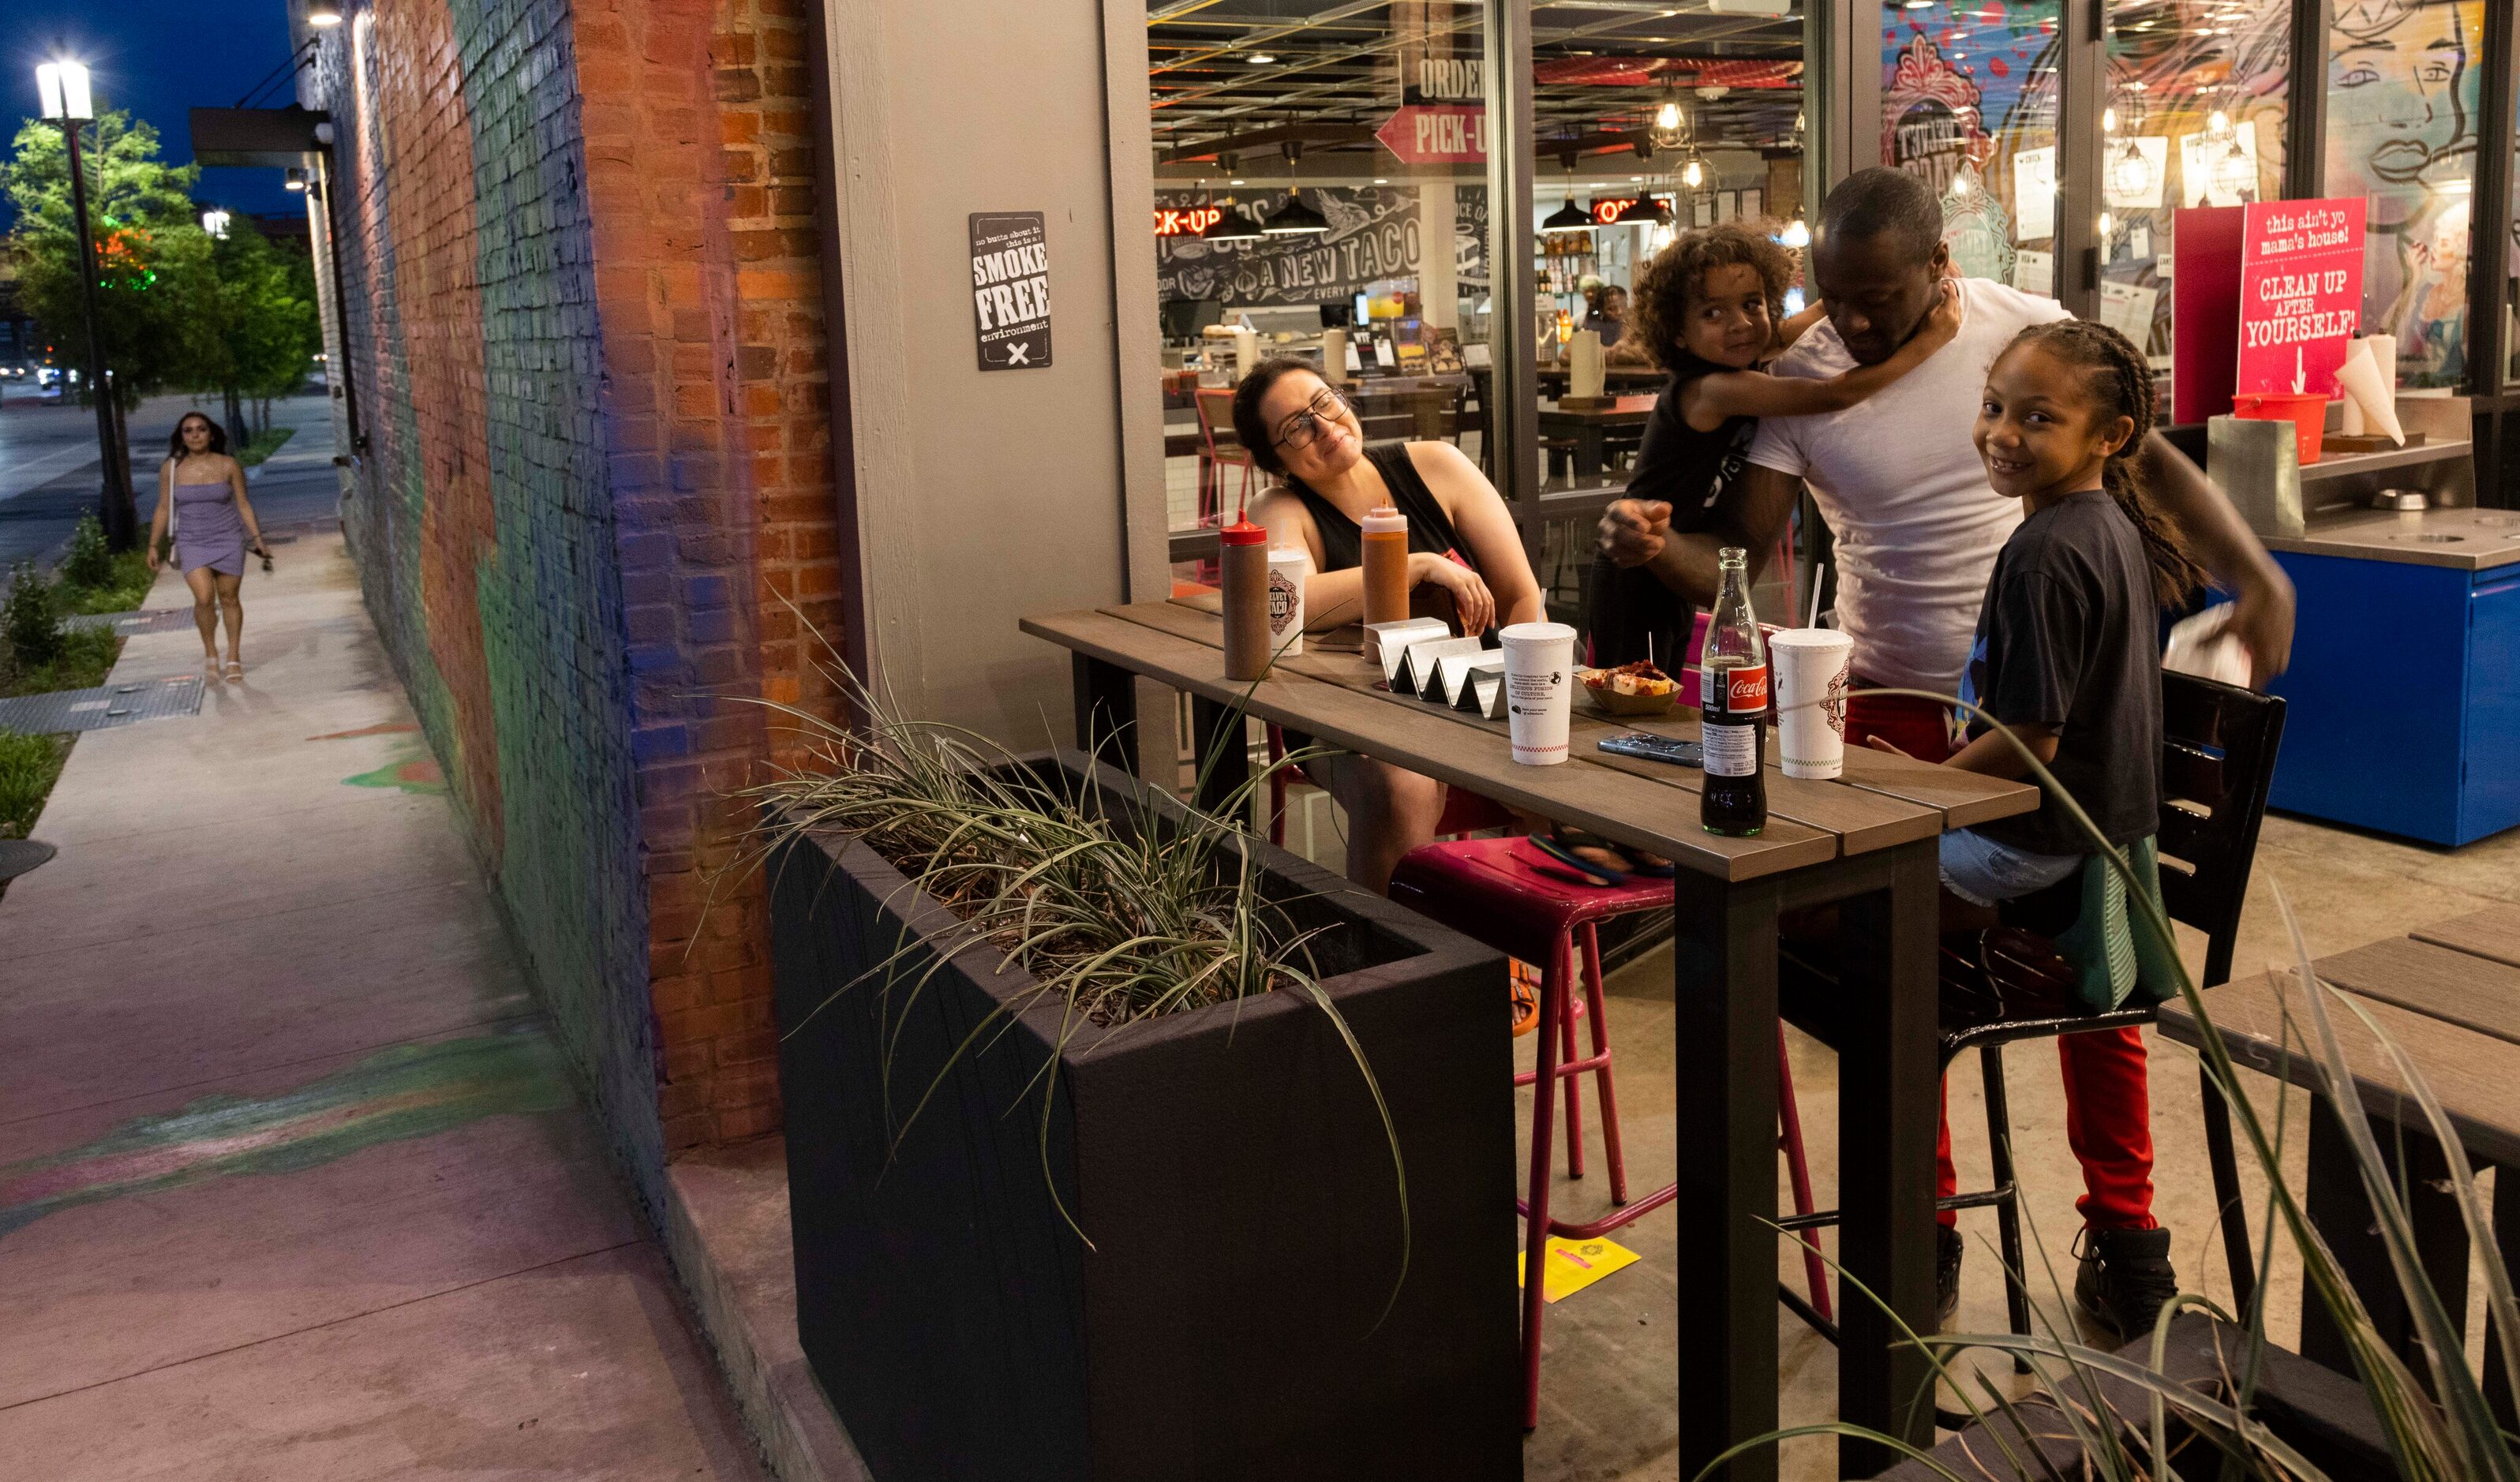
{"x":1539,"y":687}
{"x":1812,"y":668}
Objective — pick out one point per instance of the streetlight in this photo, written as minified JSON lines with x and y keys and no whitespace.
{"x":63,"y":86}
{"x":216,"y":223}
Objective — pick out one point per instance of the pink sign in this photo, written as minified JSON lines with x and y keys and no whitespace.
{"x":2301,"y":293}
{"x":1437,"y":133}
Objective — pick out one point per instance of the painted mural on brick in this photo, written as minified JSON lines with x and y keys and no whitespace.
{"x":581,"y":291}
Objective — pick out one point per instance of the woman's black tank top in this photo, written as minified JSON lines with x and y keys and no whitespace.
{"x":1430,"y":528}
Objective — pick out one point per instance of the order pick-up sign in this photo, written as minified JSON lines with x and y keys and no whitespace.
{"x":2301,"y":293}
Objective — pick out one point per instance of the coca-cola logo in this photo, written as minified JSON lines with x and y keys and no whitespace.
{"x":1746,"y":688}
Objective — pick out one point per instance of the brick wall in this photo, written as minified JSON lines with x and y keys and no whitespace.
{"x":581,"y":291}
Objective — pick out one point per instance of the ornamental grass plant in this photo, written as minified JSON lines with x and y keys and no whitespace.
{"x":2444,"y":1433}
{"x":1118,"y":914}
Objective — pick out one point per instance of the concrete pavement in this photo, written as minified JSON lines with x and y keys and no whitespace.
{"x":293,"y":1184}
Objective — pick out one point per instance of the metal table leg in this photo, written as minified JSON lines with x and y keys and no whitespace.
{"x":1224,"y":755}
{"x":1888,"y":1108}
{"x":1107,"y":712}
{"x":1725,"y":972}
{"x":2342,"y":1211}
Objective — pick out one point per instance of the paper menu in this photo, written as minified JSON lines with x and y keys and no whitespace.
{"x":2034,"y":194}
{"x":2035,"y":273}
{"x":2127,"y":308}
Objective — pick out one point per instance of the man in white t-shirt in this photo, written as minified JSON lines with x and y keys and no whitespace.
{"x":1917,"y":529}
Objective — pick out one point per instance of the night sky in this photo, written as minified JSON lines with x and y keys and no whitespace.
{"x":158,"y":59}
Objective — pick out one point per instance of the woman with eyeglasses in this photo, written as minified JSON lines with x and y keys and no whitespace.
{"x":1463,"y":547}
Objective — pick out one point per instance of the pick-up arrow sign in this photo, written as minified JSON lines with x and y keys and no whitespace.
{"x":1437,"y":133}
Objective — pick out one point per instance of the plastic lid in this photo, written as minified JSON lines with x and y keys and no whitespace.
{"x":1244,"y":533}
{"x":1383,"y":518}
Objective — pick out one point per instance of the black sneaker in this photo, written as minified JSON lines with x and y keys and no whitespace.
{"x":2125,"y":1278}
{"x":1948,"y":1248}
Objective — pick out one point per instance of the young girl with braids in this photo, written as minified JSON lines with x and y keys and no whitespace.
{"x":2067,"y":656}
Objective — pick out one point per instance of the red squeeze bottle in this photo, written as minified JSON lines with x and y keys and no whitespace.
{"x":1243,"y":553}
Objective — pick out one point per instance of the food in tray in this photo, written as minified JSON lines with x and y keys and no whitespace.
{"x":1636,"y":689}
{"x":1640,"y":679}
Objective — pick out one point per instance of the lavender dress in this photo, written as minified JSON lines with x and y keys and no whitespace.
{"x":209,"y":530}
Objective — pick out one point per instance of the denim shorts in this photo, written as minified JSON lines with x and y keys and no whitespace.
{"x":1982,"y":872}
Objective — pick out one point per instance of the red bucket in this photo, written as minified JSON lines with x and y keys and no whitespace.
{"x":2306,"y":412}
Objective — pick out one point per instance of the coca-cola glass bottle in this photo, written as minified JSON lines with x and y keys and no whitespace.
{"x":1733,"y":704}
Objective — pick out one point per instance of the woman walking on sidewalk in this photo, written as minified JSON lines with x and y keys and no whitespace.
{"x":201,"y":494}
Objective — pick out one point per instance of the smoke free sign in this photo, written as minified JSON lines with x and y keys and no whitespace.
{"x":1010,"y":290}
{"x":2301,"y":293}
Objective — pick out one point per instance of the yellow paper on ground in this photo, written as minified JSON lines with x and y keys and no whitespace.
{"x":1573,"y":1265}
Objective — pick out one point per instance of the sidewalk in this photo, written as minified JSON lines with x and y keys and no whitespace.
{"x":293,"y":1184}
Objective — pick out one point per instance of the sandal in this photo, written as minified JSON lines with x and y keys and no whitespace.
{"x":1599,"y":854}
{"x":236,"y":670}
{"x":1524,"y":985}
{"x":1580,"y":868}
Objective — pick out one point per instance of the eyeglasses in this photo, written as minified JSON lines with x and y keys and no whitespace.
{"x":1300,"y":430}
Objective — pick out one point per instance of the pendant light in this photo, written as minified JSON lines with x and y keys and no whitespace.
{"x":1296,"y":219}
{"x":1568,"y":217}
{"x":1231,"y":225}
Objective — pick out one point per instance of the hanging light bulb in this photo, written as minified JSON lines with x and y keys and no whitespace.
{"x":1670,"y":132}
{"x":2109,"y":120}
{"x":2108,"y":224}
{"x":1694,"y":173}
{"x":2218,"y":124}
{"x":2131,"y":175}
{"x":2235,"y":174}
{"x":1796,"y":235}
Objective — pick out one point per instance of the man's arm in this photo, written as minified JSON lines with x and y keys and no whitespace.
{"x":1750,"y":514}
{"x":2261,"y":607}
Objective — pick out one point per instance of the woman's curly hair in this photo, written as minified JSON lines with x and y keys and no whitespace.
{"x":1672,"y":281}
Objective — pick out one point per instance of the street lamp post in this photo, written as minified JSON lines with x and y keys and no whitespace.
{"x":64,"y":89}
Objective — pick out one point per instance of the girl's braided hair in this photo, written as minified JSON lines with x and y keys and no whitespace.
{"x":2119,"y":381}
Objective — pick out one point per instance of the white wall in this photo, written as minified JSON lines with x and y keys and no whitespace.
{"x":980,"y":498}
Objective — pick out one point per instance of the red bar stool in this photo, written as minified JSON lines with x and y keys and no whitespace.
{"x":1508,"y":895}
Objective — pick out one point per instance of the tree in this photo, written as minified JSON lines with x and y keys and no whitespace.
{"x":149,"y":249}
{"x":251,"y":325}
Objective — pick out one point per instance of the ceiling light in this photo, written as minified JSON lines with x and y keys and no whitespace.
{"x":1231,"y":225}
{"x":1234,"y":182}
{"x":1568,"y":217}
{"x":295,"y":179}
{"x":1261,"y":58}
{"x":1380,"y":180}
{"x":1296,"y":219}
{"x":323,"y":13}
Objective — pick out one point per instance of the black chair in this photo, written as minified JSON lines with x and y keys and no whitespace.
{"x":2217,"y":759}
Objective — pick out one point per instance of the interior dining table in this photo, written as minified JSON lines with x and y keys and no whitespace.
{"x":1589,"y":427}
{"x":1864,"y":843}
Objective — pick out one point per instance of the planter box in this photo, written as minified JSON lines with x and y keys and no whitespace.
{"x":1227,"y":1165}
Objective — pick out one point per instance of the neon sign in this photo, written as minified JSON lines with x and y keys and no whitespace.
{"x":1618,"y":209}
{"x":1186,"y":220}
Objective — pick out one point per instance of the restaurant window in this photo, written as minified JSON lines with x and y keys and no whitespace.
{"x":1646,"y":125}
{"x":1319,"y":194}
{"x":2194,"y":115}
{"x":1968,"y":102}
{"x":2403,"y":97}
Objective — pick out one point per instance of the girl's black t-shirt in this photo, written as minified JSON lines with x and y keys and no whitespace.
{"x":1689,"y":470}
{"x":2066,"y":638}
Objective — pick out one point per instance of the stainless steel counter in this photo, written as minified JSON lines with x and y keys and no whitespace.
{"x":2469,"y":540}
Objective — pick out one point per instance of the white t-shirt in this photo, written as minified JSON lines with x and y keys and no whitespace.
{"x":1904,"y":490}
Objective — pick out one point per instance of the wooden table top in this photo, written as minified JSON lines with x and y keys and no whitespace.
{"x":2449,"y":995}
{"x":1634,"y":408}
{"x":1884,"y":799}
